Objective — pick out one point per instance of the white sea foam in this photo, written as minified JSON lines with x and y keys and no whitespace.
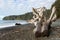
{"x":10,"y":23}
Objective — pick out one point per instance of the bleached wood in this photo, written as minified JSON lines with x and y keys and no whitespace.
{"x":52,"y":14}
{"x":42,"y":23}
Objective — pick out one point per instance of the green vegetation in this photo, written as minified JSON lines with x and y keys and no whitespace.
{"x":57,"y":4}
{"x":25,"y":16}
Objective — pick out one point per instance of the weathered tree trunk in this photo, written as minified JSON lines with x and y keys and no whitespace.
{"x":42,"y":24}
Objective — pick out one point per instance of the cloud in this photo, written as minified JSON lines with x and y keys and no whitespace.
{"x":40,"y":3}
{"x":1,"y":3}
{"x":17,"y":7}
{"x":1,"y":17}
{"x":31,"y":1}
{"x":13,"y":3}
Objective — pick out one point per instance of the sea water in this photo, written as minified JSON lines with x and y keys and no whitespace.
{"x":8,"y":23}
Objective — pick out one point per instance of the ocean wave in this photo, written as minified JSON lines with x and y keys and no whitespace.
{"x":8,"y":25}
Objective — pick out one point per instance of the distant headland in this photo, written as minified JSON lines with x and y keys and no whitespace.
{"x":26,"y":16}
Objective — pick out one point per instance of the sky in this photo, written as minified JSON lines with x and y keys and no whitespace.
{"x":18,"y":7}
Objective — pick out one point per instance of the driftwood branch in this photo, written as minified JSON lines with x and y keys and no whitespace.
{"x":52,"y":14}
{"x":42,"y":24}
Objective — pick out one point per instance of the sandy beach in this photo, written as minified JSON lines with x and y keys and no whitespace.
{"x":25,"y":32}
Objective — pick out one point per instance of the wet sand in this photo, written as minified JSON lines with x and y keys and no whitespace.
{"x":25,"y":32}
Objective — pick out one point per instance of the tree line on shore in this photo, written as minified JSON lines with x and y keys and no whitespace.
{"x":26,"y":16}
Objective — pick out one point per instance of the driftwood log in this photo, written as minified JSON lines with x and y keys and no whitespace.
{"x":17,"y":24}
{"x":42,"y":24}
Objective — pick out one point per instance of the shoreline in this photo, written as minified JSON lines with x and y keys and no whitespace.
{"x":15,"y":26}
{"x":7,"y":23}
{"x":25,"y":32}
